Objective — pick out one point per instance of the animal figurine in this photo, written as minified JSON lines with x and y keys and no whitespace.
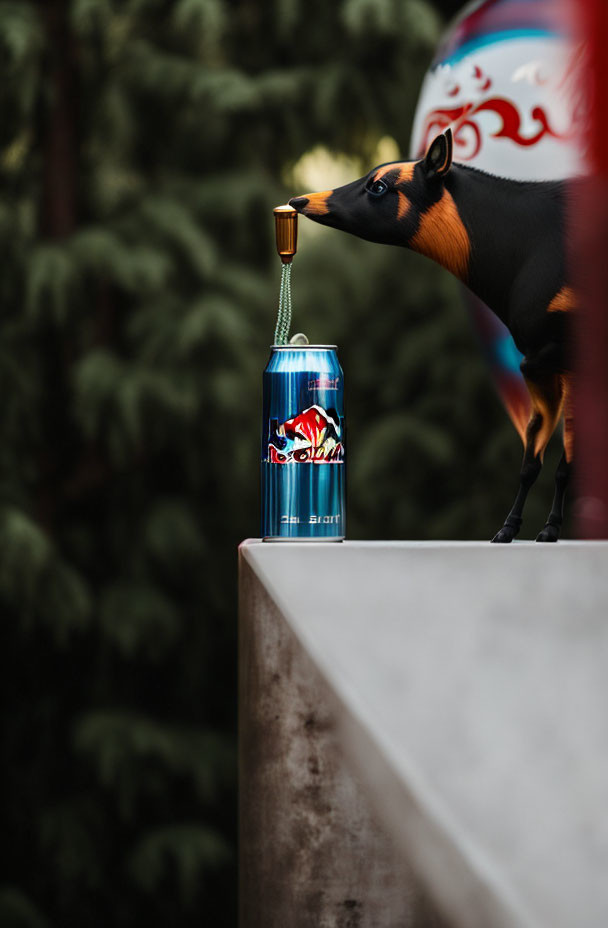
{"x":505,"y":240}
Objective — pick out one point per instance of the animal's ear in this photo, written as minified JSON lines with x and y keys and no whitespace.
{"x":438,"y":159}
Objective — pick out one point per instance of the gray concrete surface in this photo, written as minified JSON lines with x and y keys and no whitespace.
{"x":469,"y":686}
{"x":312,"y":854}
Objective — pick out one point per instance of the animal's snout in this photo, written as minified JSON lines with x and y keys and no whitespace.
{"x":313,"y":204}
{"x":299,"y":203}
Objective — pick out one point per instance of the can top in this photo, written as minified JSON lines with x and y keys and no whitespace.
{"x":304,"y":347}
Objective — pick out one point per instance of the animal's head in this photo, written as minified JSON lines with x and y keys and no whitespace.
{"x":388,"y":204}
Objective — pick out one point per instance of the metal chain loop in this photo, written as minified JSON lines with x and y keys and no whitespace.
{"x":281,"y":333}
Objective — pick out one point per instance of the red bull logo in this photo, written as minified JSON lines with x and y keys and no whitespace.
{"x":313,"y":436}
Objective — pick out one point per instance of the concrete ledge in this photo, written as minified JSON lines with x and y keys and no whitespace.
{"x":312,"y":854}
{"x":469,"y":690}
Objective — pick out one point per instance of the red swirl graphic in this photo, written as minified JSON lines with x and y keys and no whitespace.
{"x":466,"y":131}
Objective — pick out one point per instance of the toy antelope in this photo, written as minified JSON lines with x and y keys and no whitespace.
{"x":506,"y":241}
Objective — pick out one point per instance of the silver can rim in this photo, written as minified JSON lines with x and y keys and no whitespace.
{"x":304,"y":347}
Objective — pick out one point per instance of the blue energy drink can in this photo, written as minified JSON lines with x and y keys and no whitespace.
{"x":303,"y":469}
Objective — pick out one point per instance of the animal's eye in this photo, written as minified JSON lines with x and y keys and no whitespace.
{"x":377,"y":188}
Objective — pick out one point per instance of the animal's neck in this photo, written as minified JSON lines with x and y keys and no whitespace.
{"x":483,"y":229}
{"x":442,"y":236}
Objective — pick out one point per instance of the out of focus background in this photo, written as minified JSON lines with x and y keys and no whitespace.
{"x":143,"y":145}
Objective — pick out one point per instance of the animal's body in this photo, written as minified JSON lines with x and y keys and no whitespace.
{"x":506,"y":241}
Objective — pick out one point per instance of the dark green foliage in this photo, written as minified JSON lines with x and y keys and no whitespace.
{"x":142,"y":146}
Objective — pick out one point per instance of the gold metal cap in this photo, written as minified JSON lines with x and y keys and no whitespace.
{"x":286,"y":226}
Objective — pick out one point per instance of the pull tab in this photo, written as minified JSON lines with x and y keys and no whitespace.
{"x":299,"y":339}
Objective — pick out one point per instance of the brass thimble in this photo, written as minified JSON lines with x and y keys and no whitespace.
{"x":286,"y":227}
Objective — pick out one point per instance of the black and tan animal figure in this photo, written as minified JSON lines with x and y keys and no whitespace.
{"x":506,"y":241}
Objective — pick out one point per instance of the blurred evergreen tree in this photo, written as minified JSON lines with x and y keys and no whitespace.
{"x":142,"y":146}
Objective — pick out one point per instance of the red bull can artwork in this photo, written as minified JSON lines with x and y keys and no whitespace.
{"x":303,"y":468}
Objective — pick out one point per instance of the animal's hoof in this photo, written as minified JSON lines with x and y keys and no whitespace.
{"x":504,"y":536}
{"x":549,"y":533}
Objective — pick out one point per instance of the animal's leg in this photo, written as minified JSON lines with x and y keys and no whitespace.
{"x":530,"y":470}
{"x":553,"y":526}
{"x":554,"y":522}
{"x":546,"y":398}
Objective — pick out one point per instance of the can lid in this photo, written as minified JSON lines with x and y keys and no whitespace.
{"x":304,"y":347}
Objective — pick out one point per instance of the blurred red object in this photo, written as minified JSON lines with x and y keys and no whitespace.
{"x":591,"y":263}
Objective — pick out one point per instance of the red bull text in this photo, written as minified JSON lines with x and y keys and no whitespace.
{"x":303,"y":465}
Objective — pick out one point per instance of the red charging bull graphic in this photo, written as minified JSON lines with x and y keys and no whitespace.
{"x":313,"y":436}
